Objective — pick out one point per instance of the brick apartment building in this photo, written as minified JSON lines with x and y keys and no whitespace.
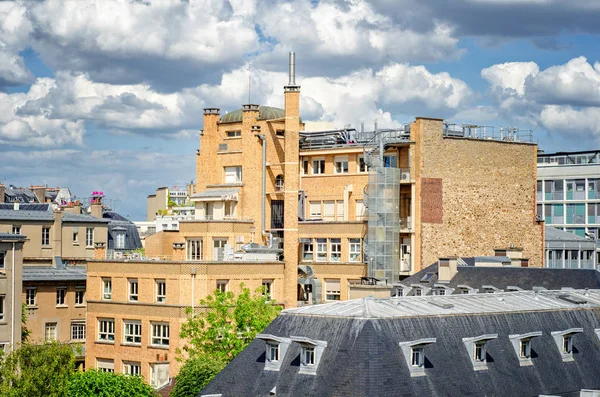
{"x":325,"y":207}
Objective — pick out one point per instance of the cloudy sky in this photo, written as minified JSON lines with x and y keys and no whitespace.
{"x":108,"y":95}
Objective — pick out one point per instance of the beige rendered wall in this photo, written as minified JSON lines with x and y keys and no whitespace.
{"x":473,"y":195}
{"x":80,"y":250}
{"x":46,"y":310}
{"x":11,"y":327}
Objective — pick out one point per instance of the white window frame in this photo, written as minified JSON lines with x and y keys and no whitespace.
{"x":273,"y":352}
{"x":354,"y":250}
{"x":53,"y":327}
{"x":161,"y":290}
{"x":75,"y":236}
{"x":339,"y":210}
{"x":119,"y":239}
{"x":414,"y":355}
{"x":329,"y":210}
{"x":79,"y":296}
{"x":358,"y":214}
{"x":194,"y":249}
{"x":222,"y":285}
{"x":321,"y":249}
{"x":106,"y":288}
{"x":335,"y":250}
{"x":308,"y":253}
{"x":78,"y":331}
{"x":16,"y":229}
{"x":31,"y":296}
{"x":234,"y":134}
{"x":106,"y":330}
{"x":308,"y":355}
{"x":45,"y":236}
{"x":233,"y":174}
{"x":2,"y":307}
{"x":315,"y":209}
{"x":332,"y":293}
{"x":132,"y":368}
{"x":89,"y":237}
{"x":417,"y":356}
{"x":360,"y":162}
{"x":267,"y":289}
{"x":133,"y":288}
{"x":279,"y":183}
{"x":158,"y":331}
{"x":61,"y":296}
{"x":132,"y":332}
{"x":105,"y":365}
{"x":318,"y":166}
{"x":340,"y":165}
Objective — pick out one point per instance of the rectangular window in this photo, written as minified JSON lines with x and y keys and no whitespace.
{"x":2,"y":261}
{"x":354,"y":249}
{"x":120,"y":240}
{"x":307,"y":252}
{"x":318,"y":166}
{"x":75,"y":236}
{"x":79,"y":296}
{"x":362,"y":165}
{"x":77,"y":331}
{"x":61,"y":294}
{"x":31,"y":296}
{"x":133,"y":289}
{"x":222,"y":285}
{"x":305,"y":167}
{"x":106,"y":329}
{"x":194,"y":249}
{"x":417,"y":357}
{"x":280,"y":132}
{"x":479,"y":351}
{"x":339,"y":213}
{"x":341,"y":164}
{"x":233,"y":174}
{"x":105,"y":365}
{"x":16,"y":229}
{"x":308,"y":355}
{"x":160,"y":334}
{"x":321,"y":250}
{"x":132,"y":332}
{"x":234,"y":134}
{"x":567,"y":346}
{"x":89,"y":236}
{"x":106,"y":289}
{"x":267,"y":289}
{"x":329,"y":210}
{"x":272,"y":352}
{"x":332,"y":289}
{"x":45,"y":235}
{"x":335,"y":249}
{"x":361,"y":214}
{"x":2,"y":307}
{"x":50,"y":332}
{"x":161,"y":291}
{"x":132,"y":368}
{"x":390,"y":161}
{"x":315,"y":209}
{"x":525,"y":348}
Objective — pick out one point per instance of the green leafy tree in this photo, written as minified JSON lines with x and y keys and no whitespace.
{"x":194,"y":375}
{"x":229,"y":324}
{"x":37,"y":370}
{"x":25,"y":332}
{"x":93,"y":383}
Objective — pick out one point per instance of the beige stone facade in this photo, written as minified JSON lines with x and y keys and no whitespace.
{"x":11,"y":262}
{"x":138,"y":315}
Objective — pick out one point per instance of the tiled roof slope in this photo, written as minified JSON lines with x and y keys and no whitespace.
{"x":363,"y":358}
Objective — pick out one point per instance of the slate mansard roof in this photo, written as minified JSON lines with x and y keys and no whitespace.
{"x":48,"y":273}
{"x":503,"y":277}
{"x":363,"y":356}
{"x":118,"y":223}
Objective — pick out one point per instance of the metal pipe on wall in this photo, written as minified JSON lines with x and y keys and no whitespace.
{"x":264,"y":187}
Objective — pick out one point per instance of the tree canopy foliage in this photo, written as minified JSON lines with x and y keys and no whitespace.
{"x":37,"y":370}
{"x":194,"y":375}
{"x":93,"y":383}
{"x":228,"y":325}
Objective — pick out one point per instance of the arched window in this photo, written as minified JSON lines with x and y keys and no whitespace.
{"x":279,"y":183}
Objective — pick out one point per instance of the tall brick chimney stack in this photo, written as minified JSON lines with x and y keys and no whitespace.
{"x":2,"y":191}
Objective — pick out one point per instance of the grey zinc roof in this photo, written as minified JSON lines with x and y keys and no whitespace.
{"x":414,"y":306}
{"x":29,"y":215}
{"x":216,"y":193}
{"x":363,"y":356}
{"x":264,"y":113}
{"x":560,"y":235}
{"x":503,"y":276}
{"x":48,"y":273}
{"x":12,"y":237}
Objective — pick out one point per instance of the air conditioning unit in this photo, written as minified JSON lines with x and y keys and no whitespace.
{"x":405,"y":176}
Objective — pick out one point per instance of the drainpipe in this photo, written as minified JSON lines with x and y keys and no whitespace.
{"x":264,"y":188}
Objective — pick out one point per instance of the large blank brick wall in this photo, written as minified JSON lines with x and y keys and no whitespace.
{"x":487,"y":195}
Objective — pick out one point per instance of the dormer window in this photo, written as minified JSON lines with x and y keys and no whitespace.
{"x":311,"y":352}
{"x":308,"y":355}
{"x":522,"y":346}
{"x":564,"y":342}
{"x":477,"y":349}
{"x":414,"y":354}
{"x":276,"y":347}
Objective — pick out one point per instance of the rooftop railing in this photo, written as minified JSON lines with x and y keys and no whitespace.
{"x":503,"y":134}
{"x":350,"y":137}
